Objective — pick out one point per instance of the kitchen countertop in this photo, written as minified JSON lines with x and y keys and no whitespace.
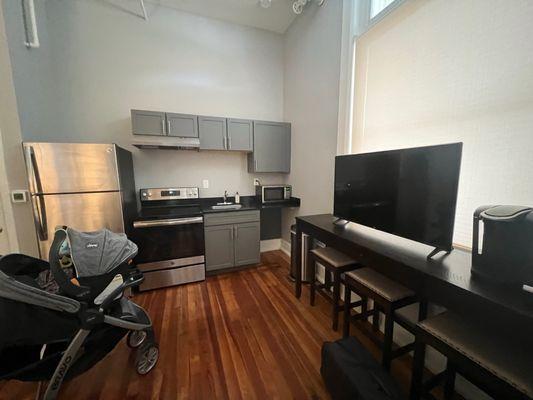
{"x":203,"y":206}
{"x":248,"y":203}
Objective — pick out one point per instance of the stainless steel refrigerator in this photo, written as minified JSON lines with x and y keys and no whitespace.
{"x":84,"y":186}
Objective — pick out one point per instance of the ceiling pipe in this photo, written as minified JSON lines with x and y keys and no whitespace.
{"x":145,"y":16}
{"x":32,"y":43}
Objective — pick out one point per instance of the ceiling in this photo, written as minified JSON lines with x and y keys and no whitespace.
{"x":276,"y":18}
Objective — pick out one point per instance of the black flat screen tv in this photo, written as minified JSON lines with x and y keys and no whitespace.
{"x":408,"y":192}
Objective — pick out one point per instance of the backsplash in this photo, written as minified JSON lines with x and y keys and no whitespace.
{"x":224,"y":170}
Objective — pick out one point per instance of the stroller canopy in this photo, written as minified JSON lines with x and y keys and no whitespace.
{"x":97,"y":253}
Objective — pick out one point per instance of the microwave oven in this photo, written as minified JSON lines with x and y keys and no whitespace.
{"x":273,"y":193}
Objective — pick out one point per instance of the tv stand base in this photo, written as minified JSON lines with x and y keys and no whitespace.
{"x":340,"y":222}
{"x":435,"y":251}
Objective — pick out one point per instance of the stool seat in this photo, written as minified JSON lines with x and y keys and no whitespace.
{"x":380,"y":284}
{"x":335,"y":258}
{"x":510,"y":360}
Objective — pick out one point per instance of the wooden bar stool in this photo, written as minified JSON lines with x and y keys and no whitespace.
{"x":388,"y":296}
{"x":498,"y":363}
{"x":335,"y":264}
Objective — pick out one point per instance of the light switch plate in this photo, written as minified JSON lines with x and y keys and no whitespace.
{"x":205,"y":184}
{"x":256,"y":182}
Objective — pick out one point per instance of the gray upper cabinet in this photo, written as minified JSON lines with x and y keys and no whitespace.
{"x":240,"y":134}
{"x":182,"y":125}
{"x":212,"y":133}
{"x":219,"y":248}
{"x":272,"y":147}
{"x":247,"y":239}
{"x":148,"y":122}
{"x":269,"y":143}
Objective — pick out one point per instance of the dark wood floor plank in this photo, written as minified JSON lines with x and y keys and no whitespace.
{"x":240,"y":335}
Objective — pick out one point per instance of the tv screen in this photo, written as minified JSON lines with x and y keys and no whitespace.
{"x":409,"y":192}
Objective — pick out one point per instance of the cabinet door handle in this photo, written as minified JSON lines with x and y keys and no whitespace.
{"x":236,"y":232}
{"x":232,"y":234}
{"x":255,"y":164}
{"x":168,"y":127}
{"x":229,"y":142}
{"x":163,"y":126}
{"x":224,"y":143}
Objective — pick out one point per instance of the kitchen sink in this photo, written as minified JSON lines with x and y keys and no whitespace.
{"x":226,"y":206}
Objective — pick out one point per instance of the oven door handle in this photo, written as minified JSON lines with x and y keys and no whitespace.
{"x":168,"y":222}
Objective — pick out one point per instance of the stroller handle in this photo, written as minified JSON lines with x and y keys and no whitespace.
{"x":80,"y":293}
{"x":134,"y":280}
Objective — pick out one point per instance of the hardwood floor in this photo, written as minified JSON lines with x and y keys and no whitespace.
{"x":240,"y":335}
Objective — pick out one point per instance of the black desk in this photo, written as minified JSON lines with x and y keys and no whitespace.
{"x":444,"y":280}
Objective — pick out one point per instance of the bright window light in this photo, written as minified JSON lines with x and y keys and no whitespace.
{"x":376,"y":6}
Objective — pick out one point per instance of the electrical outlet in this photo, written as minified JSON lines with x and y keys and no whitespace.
{"x":256,"y":182}
{"x":205,"y":183}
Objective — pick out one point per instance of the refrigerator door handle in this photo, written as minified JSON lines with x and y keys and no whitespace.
{"x":39,"y":214}
{"x":39,"y":209}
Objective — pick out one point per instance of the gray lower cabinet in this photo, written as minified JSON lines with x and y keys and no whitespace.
{"x":247,"y":242}
{"x":240,"y":134}
{"x":148,"y":123}
{"x":212,"y":132}
{"x":272,"y":147}
{"x":232,"y":239}
{"x":219,"y":247}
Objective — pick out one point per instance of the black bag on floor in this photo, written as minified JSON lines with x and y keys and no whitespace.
{"x":351,"y":373}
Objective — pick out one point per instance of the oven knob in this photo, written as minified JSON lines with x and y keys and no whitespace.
{"x":144,"y":194}
{"x":149,"y":194}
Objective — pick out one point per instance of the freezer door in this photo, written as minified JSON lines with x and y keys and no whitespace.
{"x":81,"y":211}
{"x":71,"y":167}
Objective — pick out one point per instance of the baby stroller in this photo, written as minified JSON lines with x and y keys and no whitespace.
{"x":59,"y":318}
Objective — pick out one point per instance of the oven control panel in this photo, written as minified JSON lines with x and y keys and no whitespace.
{"x":178,"y":193}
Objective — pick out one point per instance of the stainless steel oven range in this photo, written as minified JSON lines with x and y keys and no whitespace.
{"x":170,"y":235}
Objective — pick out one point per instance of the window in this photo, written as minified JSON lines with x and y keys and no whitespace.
{"x":376,"y":6}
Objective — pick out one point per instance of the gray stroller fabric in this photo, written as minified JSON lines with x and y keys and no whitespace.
{"x":97,"y":253}
{"x":14,"y":290}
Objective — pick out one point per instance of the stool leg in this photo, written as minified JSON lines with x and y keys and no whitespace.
{"x":327,"y":279}
{"x":347,"y":314}
{"x":449,"y":382}
{"x":364,"y":307}
{"x":336,"y":298}
{"x":418,"y":370}
{"x":375,"y":317}
{"x":387,"y":341}
{"x":312,"y":265}
{"x":422,"y":310}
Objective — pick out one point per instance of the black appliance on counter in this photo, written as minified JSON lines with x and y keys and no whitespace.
{"x":273,"y":193}
{"x":502,"y":248}
{"x":169,"y":232}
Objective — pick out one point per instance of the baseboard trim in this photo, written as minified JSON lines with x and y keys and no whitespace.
{"x":270,"y":245}
{"x":286,"y":247}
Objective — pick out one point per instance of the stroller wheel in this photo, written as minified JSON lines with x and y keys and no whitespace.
{"x":147,"y":358}
{"x":136,"y":338}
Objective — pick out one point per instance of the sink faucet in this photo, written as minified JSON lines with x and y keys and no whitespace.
{"x":225,"y":196}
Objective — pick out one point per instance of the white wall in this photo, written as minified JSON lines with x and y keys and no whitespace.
{"x":105,"y":60}
{"x":32,"y":72}
{"x":452,"y":70}
{"x":312,"y":68}
{"x":18,"y":217}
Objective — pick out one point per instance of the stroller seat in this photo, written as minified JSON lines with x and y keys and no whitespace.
{"x":67,"y":314}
